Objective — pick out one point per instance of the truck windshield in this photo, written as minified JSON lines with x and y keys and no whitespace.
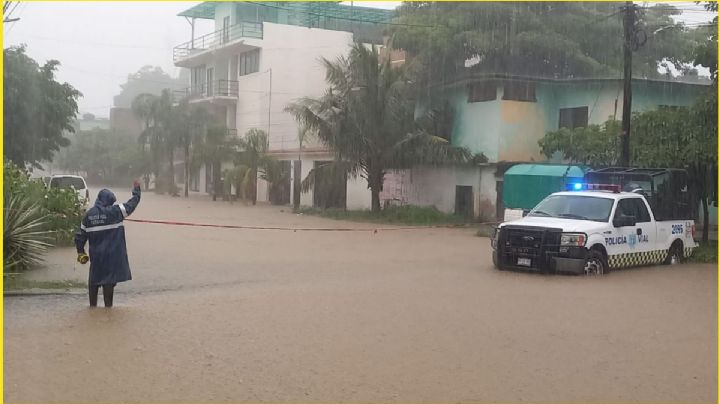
{"x":574,"y":207}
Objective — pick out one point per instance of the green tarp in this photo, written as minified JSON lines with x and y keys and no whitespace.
{"x":527,"y":184}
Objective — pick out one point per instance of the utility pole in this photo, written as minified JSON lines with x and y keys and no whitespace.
{"x":269,"y":107}
{"x":7,"y":12}
{"x":629,"y":22}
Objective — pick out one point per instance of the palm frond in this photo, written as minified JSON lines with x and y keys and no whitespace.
{"x":25,"y":239}
{"x":328,"y":173}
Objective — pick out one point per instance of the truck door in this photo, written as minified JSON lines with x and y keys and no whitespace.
{"x":641,"y":238}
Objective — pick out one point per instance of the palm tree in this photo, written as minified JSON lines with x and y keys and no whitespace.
{"x":215,"y":148}
{"x":143,"y":107}
{"x":303,"y":135}
{"x":366,"y":118}
{"x":169,"y":122}
{"x":198,"y":120}
{"x":254,"y":146}
{"x":277,"y":177}
{"x":238,"y":176}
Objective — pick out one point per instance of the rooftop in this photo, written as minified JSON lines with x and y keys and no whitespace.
{"x":308,"y":11}
{"x":474,"y":77}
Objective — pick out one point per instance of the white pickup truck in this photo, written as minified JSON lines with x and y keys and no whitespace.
{"x":591,"y":232}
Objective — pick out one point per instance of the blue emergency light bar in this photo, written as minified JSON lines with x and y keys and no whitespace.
{"x":580,"y":186}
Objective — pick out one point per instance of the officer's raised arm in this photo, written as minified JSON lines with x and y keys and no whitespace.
{"x":128,"y":207}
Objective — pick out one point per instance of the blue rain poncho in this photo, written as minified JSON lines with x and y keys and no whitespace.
{"x":103,"y":227}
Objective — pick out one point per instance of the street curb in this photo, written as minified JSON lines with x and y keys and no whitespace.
{"x":42,"y":292}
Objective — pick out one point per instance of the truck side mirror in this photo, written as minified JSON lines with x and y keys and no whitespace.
{"x":624,"y":221}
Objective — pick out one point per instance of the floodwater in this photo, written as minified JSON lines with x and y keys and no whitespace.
{"x":221,"y":315}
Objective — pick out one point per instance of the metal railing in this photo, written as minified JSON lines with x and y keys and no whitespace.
{"x":218,"y":38}
{"x":217,"y":88}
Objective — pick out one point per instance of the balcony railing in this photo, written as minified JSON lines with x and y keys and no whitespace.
{"x":217,"y":39}
{"x":217,"y":88}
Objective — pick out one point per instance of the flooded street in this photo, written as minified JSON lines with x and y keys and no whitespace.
{"x":221,"y":315}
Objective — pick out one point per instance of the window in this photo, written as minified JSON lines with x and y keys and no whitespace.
{"x":572,"y":118}
{"x":249,"y":62}
{"x":67,"y":182}
{"x":519,"y":91}
{"x":574,"y":207}
{"x":633,"y":207}
{"x":197,"y":79}
{"x":672,"y":108}
{"x":480,"y":92}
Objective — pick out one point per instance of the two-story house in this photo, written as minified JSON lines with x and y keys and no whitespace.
{"x":504,"y":117}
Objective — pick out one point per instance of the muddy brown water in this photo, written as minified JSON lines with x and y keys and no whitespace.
{"x":220,"y":315}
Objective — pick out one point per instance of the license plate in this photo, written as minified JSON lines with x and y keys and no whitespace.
{"x":525,"y":262}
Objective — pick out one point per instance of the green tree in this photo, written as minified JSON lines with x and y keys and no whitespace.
{"x":677,"y":138}
{"x":148,"y":80}
{"x":595,"y":145}
{"x":37,"y":110}
{"x":104,"y":157}
{"x":143,"y":106}
{"x":366,"y":118}
{"x":160,"y":134}
{"x":548,"y":39}
{"x":190,"y":124}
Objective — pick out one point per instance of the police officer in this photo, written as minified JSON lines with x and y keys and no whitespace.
{"x":102,"y":226}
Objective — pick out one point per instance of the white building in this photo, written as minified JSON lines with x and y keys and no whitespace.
{"x":263,"y":56}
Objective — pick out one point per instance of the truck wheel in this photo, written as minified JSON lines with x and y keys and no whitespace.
{"x":595,"y":264}
{"x":675,"y":254}
{"x":495,"y":262}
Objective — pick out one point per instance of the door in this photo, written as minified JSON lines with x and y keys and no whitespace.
{"x":464,"y":201}
{"x":209,"y":82}
{"x":640,"y":238}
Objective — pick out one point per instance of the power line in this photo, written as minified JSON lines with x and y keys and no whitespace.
{"x":112,"y":45}
{"x":14,"y":21}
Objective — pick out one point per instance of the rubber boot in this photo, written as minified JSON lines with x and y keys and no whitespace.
{"x":93,"y":294}
{"x":108,"y":294}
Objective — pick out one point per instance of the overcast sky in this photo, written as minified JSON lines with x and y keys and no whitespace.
{"x":99,"y":43}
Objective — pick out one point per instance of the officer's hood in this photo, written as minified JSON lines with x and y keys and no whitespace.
{"x":105,"y":198}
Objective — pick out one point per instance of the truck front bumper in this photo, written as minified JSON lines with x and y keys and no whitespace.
{"x":571,"y":262}
{"x":568,"y":265}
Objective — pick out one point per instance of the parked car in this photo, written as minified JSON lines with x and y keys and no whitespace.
{"x":592,"y":230}
{"x":74,"y":182}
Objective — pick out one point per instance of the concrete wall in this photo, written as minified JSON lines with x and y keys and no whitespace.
{"x":293,"y":53}
{"x":358,"y":194}
{"x":435,"y":186}
{"x":122,"y":120}
{"x":222,"y":10}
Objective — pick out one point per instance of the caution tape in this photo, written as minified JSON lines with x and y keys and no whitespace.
{"x":294,"y":229}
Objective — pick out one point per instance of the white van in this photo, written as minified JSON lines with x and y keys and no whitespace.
{"x":75,"y":182}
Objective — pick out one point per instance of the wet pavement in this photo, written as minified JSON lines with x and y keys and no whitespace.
{"x":229,"y":315}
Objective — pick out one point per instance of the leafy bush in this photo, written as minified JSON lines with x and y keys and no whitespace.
{"x":24,"y":233}
{"x":705,"y":254}
{"x":60,"y":208}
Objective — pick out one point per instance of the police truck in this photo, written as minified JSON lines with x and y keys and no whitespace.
{"x":634,"y":217}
